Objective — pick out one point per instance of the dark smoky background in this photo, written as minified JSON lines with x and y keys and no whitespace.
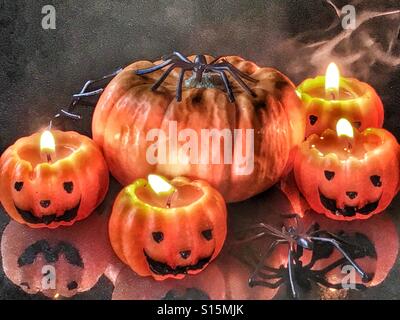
{"x":40,"y":69}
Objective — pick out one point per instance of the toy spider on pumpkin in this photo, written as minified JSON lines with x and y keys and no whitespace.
{"x":296,"y":273}
{"x":199,"y":67}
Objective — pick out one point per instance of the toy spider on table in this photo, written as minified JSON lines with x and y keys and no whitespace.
{"x":297,"y":239}
{"x":199,"y":67}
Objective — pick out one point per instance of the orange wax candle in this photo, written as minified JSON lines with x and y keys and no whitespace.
{"x":167,"y":229}
{"x":52,"y":178}
{"x":348,"y":174}
{"x":328,"y":98}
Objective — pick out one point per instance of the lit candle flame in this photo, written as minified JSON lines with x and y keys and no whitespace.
{"x":160,"y":185}
{"x":344,"y":128}
{"x":47,"y":143}
{"x":332,"y":80}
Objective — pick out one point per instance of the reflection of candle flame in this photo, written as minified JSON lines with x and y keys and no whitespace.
{"x":47,"y":144}
{"x":332,"y":80}
{"x":344,"y":128}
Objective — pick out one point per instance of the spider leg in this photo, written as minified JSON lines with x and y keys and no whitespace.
{"x":233,"y":68}
{"x":67,"y":114}
{"x":154,"y":68}
{"x":332,"y":266}
{"x":271,"y":285}
{"x":251,"y":238}
{"x":291,"y":274}
{"x":227,"y":86}
{"x":264,"y":256}
{"x":163,"y":77}
{"x":313,"y":229}
{"x":338,"y":238}
{"x":216,"y":59}
{"x":269,"y":229}
{"x":179,"y":87}
{"x":87,"y":94}
{"x":82,"y":93}
{"x":90,"y":82}
{"x":336,"y":244}
{"x":177,"y":54}
{"x":235,"y":76}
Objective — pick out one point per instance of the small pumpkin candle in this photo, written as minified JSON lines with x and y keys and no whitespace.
{"x":346,"y":174}
{"x":167,"y":229}
{"x":52,"y":178}
{"x":328,"y":98}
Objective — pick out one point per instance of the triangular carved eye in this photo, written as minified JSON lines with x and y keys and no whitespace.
{"x":158,"y":236}
{"x":329,"y":175}
{"x":313,"y":119}
{"x":18,"y":185}
{"x":376,"y":180}
{"x":69,"y":186}
{"x":207,"y":234}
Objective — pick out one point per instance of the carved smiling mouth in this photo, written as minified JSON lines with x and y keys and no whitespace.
{"x":162,"y":268}
{"x":67,"y":216}
{"x":347,"y":211}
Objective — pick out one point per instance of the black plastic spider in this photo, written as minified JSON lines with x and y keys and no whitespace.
{"x":199,"y":67}
{"x":321,"y":242}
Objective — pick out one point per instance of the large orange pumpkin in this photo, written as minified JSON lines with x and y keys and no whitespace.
{"x":168,"y":242}
{"x":42,"y":194}
{"x":128,"y":109}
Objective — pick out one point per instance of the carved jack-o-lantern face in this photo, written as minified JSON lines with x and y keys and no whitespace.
{"x":359,"y":194}
{"x":169,"y":252}
{"x":48,"y":199}
{"x":353,"y":186}
{"x":50,"y":194}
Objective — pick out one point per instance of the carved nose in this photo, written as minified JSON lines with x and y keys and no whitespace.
{"x":45,"y":203}
{"x":185,"y":254}
{"x":351,"y":194}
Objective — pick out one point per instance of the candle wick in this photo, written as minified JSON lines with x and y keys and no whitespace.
{"x":48,"y":156}
{"x":169,"y":200}
{"x":349,"y":146}
{"x":333,"y":96}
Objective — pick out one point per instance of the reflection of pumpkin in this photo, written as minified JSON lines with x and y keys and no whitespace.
{"x":236,"y":277}
{"x":128,"y":109}
{"x":207,"y":285}
{"x":42,"y":195}
{"x":377,"y":252}
{"x":379,"y":231}
{"x":61,"y":262}
{"x":168,"y":242}
{"x":377,"y":236}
